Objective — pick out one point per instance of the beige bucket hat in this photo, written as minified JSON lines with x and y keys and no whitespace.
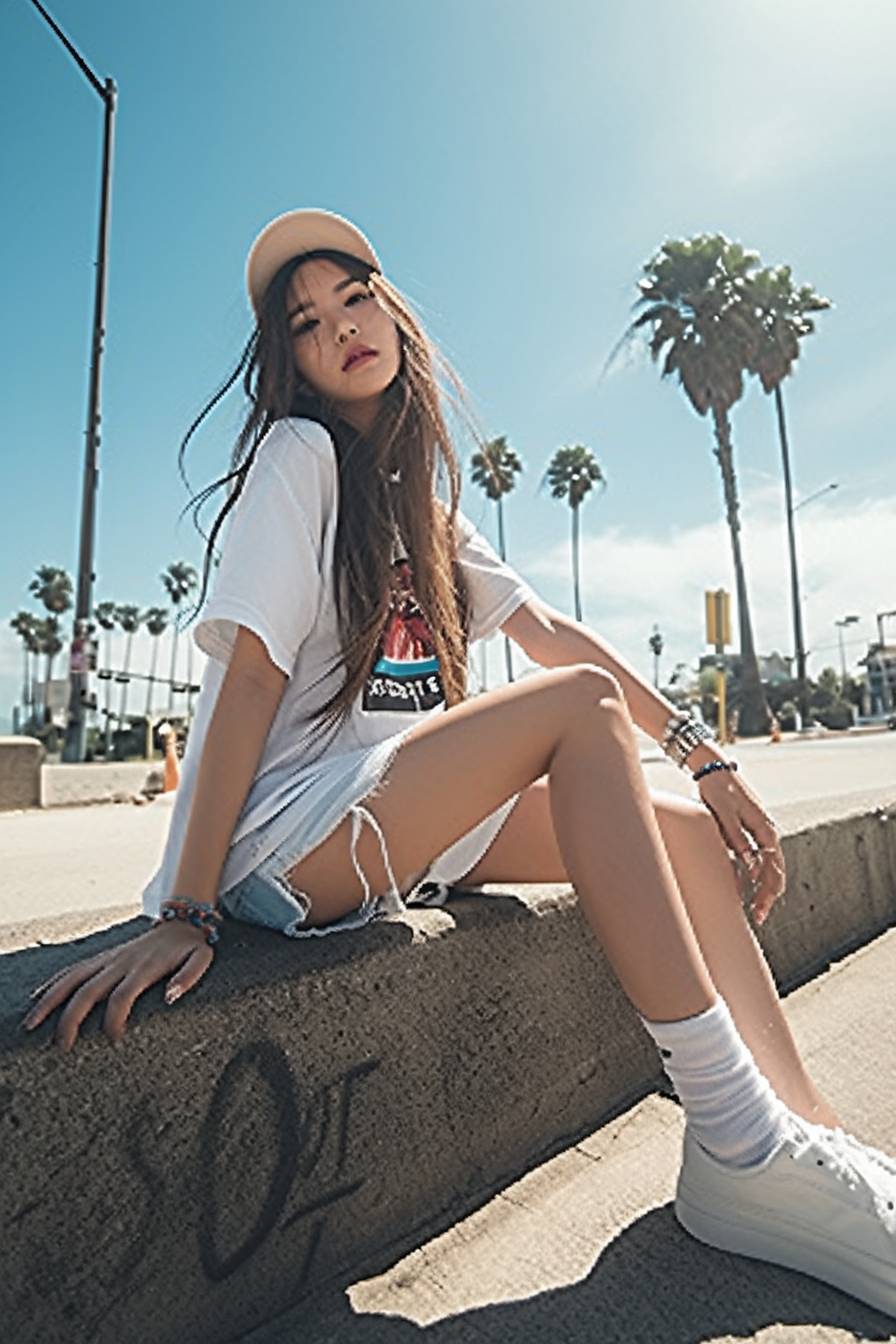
{"x":300,"y":231}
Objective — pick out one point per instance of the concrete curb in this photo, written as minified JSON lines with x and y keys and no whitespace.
{"x":311,"y":1108}
{"x":98,"y":782}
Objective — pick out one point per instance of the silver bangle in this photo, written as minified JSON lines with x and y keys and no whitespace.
{"x":682,"y":735}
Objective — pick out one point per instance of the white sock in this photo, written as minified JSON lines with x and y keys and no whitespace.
{"x":729,"y":1106}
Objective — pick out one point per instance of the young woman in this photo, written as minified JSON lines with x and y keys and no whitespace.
{"x":334,"y":695}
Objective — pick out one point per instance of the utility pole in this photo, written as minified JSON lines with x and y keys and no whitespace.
{"x":75,"y":744}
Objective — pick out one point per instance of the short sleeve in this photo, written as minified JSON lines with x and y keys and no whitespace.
{"x":269,"y":577}
{"x":495,"y":588}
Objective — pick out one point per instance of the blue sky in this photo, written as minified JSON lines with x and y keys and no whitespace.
{"x":515,"y":164}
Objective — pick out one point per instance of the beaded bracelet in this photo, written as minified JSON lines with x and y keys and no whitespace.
{"x":713,"y":765}
{"x":202,"y":914}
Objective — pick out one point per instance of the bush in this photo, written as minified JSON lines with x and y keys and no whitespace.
{"x":787,"y":716}
{"x":839,"y":714}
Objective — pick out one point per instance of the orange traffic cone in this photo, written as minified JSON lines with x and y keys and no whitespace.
{"x":172,"y":769}
{"x":776,"y":729}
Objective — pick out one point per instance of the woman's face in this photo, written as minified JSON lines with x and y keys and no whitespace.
{"x":337,"y":314}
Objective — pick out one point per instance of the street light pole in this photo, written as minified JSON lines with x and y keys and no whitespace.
{"x":76,"y":721}
{"x":847,"y":620}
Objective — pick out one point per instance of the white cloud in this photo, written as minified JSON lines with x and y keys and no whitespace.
{"x":846,"y":554}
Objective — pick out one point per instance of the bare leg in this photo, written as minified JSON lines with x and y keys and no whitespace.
{"x":526,"y":850}
{"x":614,"y":853}
{"x":732,"y":952}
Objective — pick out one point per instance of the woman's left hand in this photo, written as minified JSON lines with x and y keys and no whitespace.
{"x":750,"y":834}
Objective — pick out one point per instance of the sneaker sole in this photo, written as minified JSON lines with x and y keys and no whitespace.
{"x":761,"y":1243}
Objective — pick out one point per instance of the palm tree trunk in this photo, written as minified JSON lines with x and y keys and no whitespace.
{"x":125,"y":684}
{"x":754,"y":716}
{"x":189,"y":680}
{"x":152,"y":673}
{"x":25,"y":683}
{"x":503,"y":549}
{"x":46,"y":715}
{"x":107,"y":736}
{"x":798,"y":640}
{"x":173,"y":661}
{"x":575,"y":561}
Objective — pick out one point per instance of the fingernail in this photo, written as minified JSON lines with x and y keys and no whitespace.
{"x":173,"y":992}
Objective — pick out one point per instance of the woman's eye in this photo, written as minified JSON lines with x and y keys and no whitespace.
{"x":306,"y":326}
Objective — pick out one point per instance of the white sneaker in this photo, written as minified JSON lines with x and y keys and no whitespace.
{"x":817,"y":1204}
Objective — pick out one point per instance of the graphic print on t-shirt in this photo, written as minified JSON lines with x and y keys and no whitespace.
{"x":406,"y":673}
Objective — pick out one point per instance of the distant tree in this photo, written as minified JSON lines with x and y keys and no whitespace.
{"x":781,"y":310}
{"x":130,"y":620}
{"x":53,"y":587}
{"x":572,"y":473}
{"x":694,"y":296}
{"x":49,"y":644}
{"x":156,"y":619}
{"x":179,"y":579}
{"x":24,"y":623}
{"x":493,"y":470}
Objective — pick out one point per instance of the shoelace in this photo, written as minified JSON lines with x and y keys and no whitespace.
{"x":843,"y":1156}
{"x":882,"y":1159}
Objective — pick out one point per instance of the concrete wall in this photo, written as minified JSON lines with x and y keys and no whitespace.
{"x":315,"y":1109}
{"x":20,"y":772}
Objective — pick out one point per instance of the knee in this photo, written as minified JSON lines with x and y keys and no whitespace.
{"x":592,"y":686}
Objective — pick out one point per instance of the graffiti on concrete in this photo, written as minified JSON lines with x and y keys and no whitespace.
{"x":311,"y":1141}
{"x":267,"y":1156}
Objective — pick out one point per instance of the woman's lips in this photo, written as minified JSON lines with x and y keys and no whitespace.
{"x":361,"y":359}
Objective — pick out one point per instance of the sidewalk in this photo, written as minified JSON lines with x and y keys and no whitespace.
{"x":585,"y":1247}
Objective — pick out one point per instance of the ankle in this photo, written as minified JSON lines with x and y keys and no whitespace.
{"x":816,"y":1111}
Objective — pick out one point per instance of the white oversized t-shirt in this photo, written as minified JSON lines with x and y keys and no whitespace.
{"x":276,"y":578}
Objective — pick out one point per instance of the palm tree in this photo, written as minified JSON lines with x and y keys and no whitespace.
{"x":695,"y":295}
{"x":53,"y":587}
{"x":104,"y":614}
{"x":571,"y":474}
{"x":179,"y":579}
{"x":493,"y":471}
{"x":156,"y":619}
{"x":46,"y":633}
{"x":130,"y":620}
{"x":24,"y":623}
{"x":781,"y":311}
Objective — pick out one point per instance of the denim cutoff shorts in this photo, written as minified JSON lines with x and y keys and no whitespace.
{"x":265,"y":897}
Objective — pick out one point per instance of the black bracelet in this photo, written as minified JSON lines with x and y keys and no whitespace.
{"x":708,"y":768}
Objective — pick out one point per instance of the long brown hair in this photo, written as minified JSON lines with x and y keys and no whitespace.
{"x":409,"y":434}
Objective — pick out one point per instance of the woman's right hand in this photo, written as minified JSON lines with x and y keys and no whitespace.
{"x":123,"y":973}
